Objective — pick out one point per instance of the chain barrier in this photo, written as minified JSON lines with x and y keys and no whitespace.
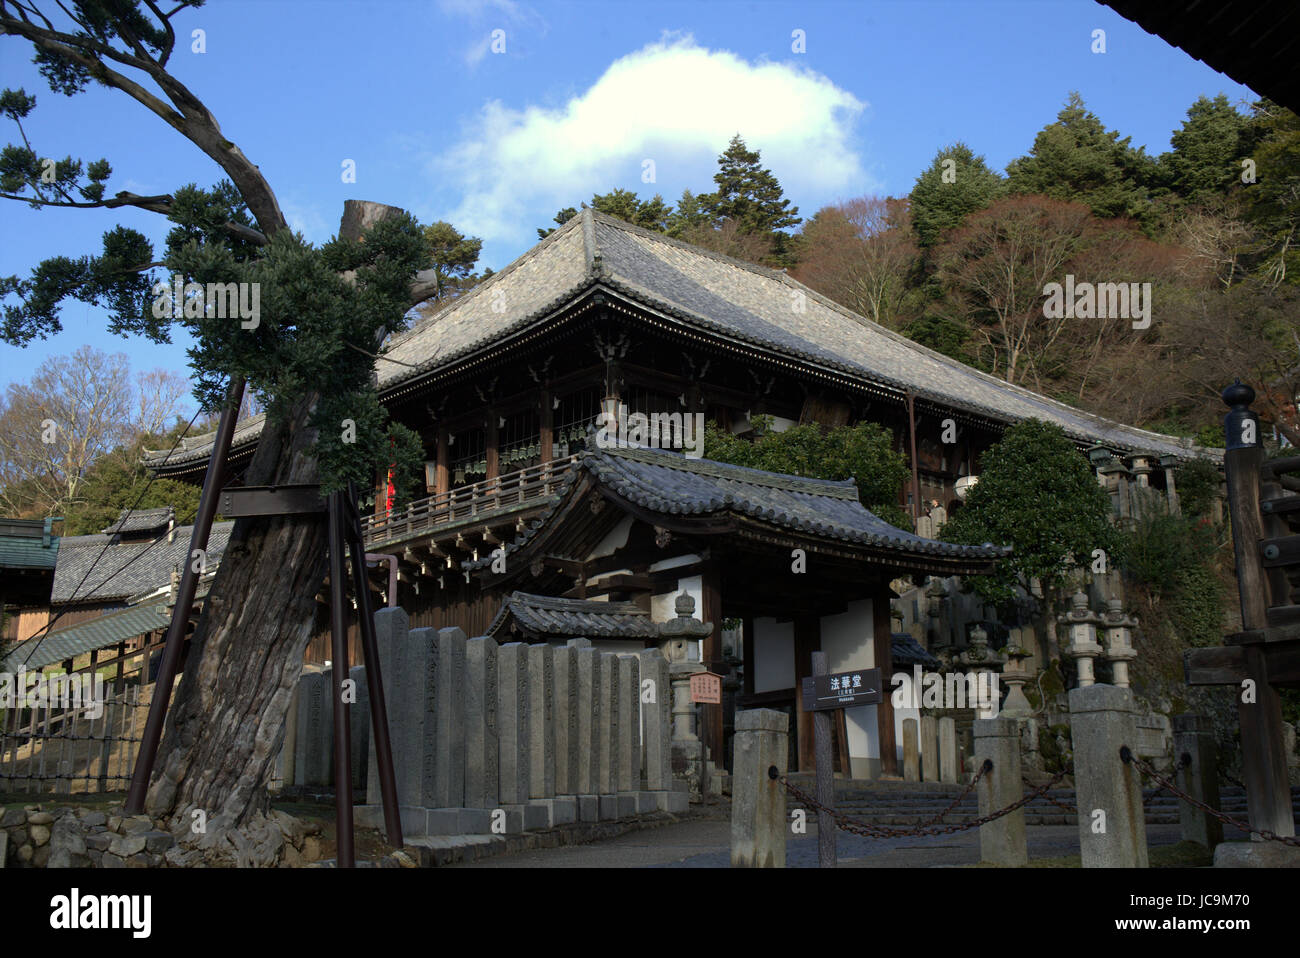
{"x":1126,"y":754}
{"x":931,"y":827}
{"x":1073,"y":810}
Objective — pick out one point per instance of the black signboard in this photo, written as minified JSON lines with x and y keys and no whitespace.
{"x":841,"y":690}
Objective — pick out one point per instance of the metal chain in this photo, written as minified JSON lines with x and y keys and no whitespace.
{"x":868,"y":830}
{"x":1073,"y":810}
{"x":1127,"y":755}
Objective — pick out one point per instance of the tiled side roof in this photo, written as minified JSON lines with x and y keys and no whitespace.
{"x":544,"y":615}
{"x":142,"y":520}
{"x":85,"y":637}
{"x":126,"y":568}
{"x":905,"y":650}
{"x":671,"y":484}
{"x":27,"y":551}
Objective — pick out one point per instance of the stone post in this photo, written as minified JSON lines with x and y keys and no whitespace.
{"x":911,"y":763}
{"x":929,"y":748}
{"x":1198,"y":776}
{"x":512,"y":723}
{"x":564,"y":663}
{"x":758,"y":816}
{"x":541,"y":721}
{"x":607,"y":775}
{"x":656,"y":734}
{"x":481,"y":723}
{"x":1003,"y":840}
{"x":629,"y":730}
{"x":948,"y":750}
{"x":359,"y":714}
{"x":314,"y":754}
{"x":1112,"y":827}
{"x":589,"y":722}
{"x":449,"y":724}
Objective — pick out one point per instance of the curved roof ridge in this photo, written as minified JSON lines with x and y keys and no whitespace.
{"x":477,"y":289}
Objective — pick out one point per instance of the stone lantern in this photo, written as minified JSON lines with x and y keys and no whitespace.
{"x":1083,"y":647}
{"x":979,"y":658}
{"x":678,"y":633}
{"x":1119,"y":640}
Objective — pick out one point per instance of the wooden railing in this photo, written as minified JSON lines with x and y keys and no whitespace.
{"x":467,"y":502}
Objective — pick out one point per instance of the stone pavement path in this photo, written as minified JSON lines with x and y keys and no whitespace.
{"x":706,"y":844}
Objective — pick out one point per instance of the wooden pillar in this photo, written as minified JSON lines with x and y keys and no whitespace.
{"x":711,"y":655}
{"x":883,"y":658}
{"x":916,"y":481}
{"x":747,"y":652}
{"x":1268,"y":795}
{"x":807,"y":640}
{"x":442,"y":472}
{"x":493,"y":449}
{"x":546,"y":424}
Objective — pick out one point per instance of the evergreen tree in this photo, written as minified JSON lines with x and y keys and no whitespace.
{"x":1037,"y":494}
{"x":748,"y":193}
{"x":454,"y":255}
{"x":1078,"y":160}
{"x":1207,"y":151}
{"x":956,"y":184}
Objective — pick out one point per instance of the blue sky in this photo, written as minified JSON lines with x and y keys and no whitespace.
{"x":582,"y":96}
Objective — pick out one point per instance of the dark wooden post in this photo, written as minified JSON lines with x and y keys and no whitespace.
{"x":916,"y":480}
{"x":493,"y":446}
{"x":825,"y":776}
{"x":546,"y":428}
{"x":1268,"y":794}
{"x":342,"y":713}
{"x":374,"y":677}
{"x":883,"y":660}
{"x":711,"y":655}
{"x":807,"y":640}
{"x":442,"y":474}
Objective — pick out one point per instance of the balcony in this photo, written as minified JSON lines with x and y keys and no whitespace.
{"x":480,"y":501}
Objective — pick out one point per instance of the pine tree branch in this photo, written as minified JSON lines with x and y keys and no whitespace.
{"x":187,"y":115}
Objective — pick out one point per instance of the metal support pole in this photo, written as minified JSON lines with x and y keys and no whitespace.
{"x":342,"y":722}
{"x":374,"y":679}
{"x":171,"y":657}
{"x":825,"y":780}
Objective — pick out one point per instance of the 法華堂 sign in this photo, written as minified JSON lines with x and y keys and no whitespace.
{"x":841,"y":690}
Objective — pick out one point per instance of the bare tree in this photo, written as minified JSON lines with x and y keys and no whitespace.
{"x":54,"y":427}
{"x":159,"y":394}
{"x":995,"y":268}
{"x":859,"y":253}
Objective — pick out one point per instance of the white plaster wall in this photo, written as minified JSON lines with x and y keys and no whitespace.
{"x":614,"y":540}
{"x":674,"y":562}
{"x":773,"y":655}
{"x":846,"y":640}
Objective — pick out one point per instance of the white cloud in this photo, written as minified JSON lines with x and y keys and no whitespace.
{"x":674,"y":102}
{"x":498,"y":14}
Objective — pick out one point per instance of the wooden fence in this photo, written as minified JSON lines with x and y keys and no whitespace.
{"x":53,"y":749}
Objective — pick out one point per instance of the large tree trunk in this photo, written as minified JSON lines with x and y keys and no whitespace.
{"x":227,"y":723}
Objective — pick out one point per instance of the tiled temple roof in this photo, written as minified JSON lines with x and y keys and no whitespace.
{"x":546,"y":616}
{"x":118,"y":570}
{"x":697,"y":289}
{"x":674,"y":485}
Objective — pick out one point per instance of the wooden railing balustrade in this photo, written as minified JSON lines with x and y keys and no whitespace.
{"x":468,"y":502}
